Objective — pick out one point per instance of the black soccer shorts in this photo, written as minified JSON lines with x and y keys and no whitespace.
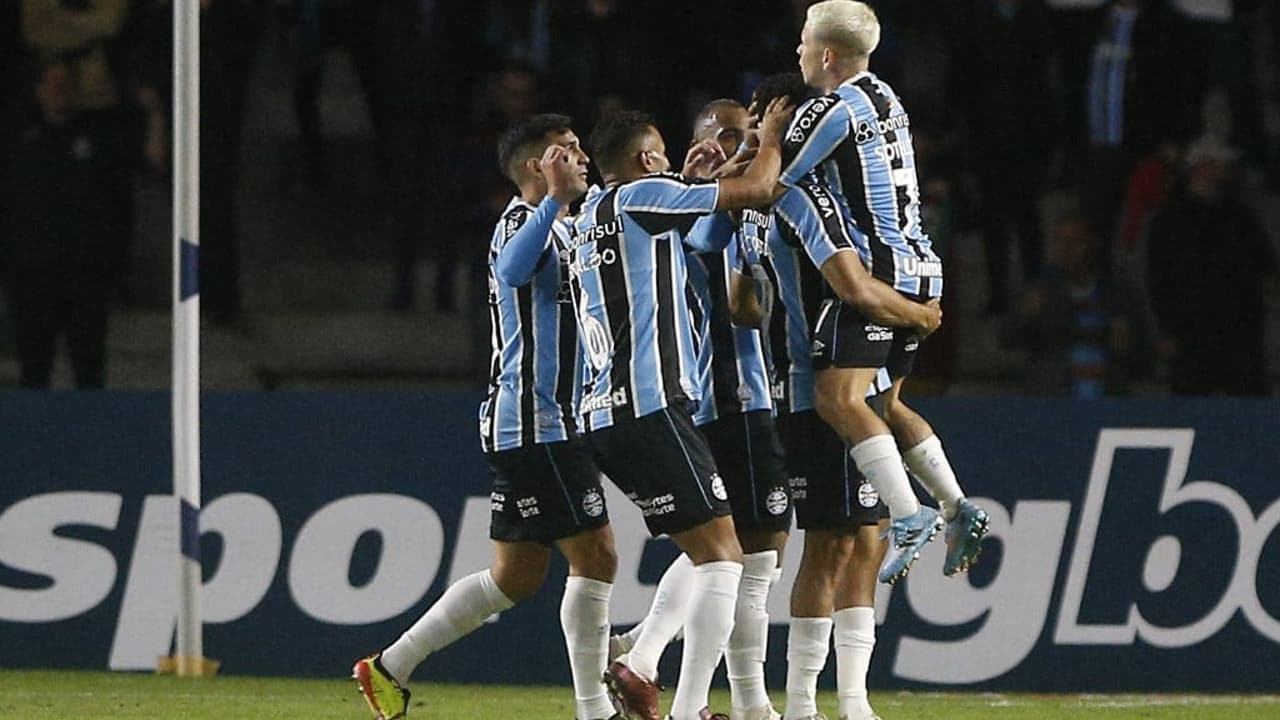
{"x":749,"y":456}
{"x":544,"y":493}
{"x":828,"y":491}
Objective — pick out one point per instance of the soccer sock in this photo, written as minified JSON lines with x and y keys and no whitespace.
{"x":744,"y":658}
{"x":808,"y":640}
{"x":929,"y":464}
{"x":878,"y":460}
{"x":710,"y":620}
{"x":665,"y":618}
{"x":855,"y":638}
{"x":462,"y":609}
{"x":584,"y":615}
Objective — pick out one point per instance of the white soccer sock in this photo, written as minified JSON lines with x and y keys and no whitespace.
{"x":744,"y":658}
{"x":462,"y":609}
{"x":855,"y":638}
{"x":929,"y":464}
{"x":710,"y":621}
{"x":666,"y":617}
{"x":808,"y":640}
{"x":584,"y":615}
{"x":878,"y":460}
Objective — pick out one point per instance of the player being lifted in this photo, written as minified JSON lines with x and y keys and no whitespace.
{"x":546,"y":487}
{"x":856,"y":140}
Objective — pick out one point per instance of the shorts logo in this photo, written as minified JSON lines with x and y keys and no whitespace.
{"x":878,"y":333}
{"x":867,"y":495}
{"x":717,"y":487}
{"x":864,"y":133}
{"x":818,"y":347}
{"x":799,"y":487}
{"x":497,"y":502}
{"x":592,"y":503}
{"x":776,"y":501}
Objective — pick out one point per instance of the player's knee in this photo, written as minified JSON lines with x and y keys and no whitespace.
{"x":520,"y":578}
{"x":831,"y":550}
{"x":595,"y":558}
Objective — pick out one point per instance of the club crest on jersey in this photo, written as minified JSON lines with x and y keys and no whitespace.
{"x":807,"y":119}
{"x":776,"y":501}
{"x":864,"y":133}
{"x":867,"y":495}
{"x":592,"y":503}
{"x":717,"y":487}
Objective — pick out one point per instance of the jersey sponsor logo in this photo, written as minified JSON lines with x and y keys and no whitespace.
{"x":878,"y":333}
{"x":778,"y":390}
{"x":867,"y":495}
{"x":486,"y":426}
{"x":893,"y":124}
{"x":596,"y":233}
{"x":593,"y":503}
{"x":757,"y":218}
{"x":896,"y":150}
{"x":826,"y":204}
{"x":605,"y":401}
{"x":717,"y":487}
{"x":776,"y":501}
{"x":513,"y":223}
{"x":808,"y":119}
{"x":915,"y":267}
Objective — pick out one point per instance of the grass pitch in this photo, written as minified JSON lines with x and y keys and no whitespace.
{"x":112,"y":696}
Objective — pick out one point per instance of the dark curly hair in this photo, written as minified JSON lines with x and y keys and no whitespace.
{"x":613,"y":136}
{"x":788,"y":84}
{"x":527,"y":138}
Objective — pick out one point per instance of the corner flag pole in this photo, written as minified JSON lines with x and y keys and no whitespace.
{"x":189,"y":658}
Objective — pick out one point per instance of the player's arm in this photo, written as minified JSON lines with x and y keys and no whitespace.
{"x":744,"y":300}
{"x":755,"y":186}
{"x":820,"y":125}
{"x":710,"y":233}
{"x":526,"y":249}
{"x":851,"y":282}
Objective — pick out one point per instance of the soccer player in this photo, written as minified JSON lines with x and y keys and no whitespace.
{"x":546,"y":487}
{"x":628,"y":273}
{"x":811,"y":260}
{"x":856,"y":140}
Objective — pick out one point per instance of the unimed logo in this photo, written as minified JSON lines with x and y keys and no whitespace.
{"x":313,"y":565}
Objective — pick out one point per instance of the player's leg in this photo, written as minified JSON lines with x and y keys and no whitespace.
{"x":749,"y":456}
{"x":664,"y":621}
{"x":666,"y":464}
{"x":854,"y":622}
{"x":851,"y":350}
{"x":926,"y":460}
{"x":593,"y":562}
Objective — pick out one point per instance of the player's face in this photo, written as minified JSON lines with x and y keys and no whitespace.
{"x":653,"y":152}
{"x":727,"y":127}
{"x":577,"y":156}
{"x":810,"y":57}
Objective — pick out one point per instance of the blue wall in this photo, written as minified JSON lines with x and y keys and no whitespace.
{"x":1134,"y":543}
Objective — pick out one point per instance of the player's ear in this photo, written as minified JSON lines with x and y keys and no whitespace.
{"x":532,"y":167}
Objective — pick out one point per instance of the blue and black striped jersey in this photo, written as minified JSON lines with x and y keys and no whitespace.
{"x":858,"y":142}
{"x":628,"y":274}
{"x":535,"y":346}
{"x":732,"y":373}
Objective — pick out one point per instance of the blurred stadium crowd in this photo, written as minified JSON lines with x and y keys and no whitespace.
{"x":1102,"y":171}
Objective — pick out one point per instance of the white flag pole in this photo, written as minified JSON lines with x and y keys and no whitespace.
{"x":189,"y":657}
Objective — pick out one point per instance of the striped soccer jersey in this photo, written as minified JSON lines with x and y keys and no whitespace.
{"x":858,"y":140}
{"x":628,"y":275}
{"x":535,"y":346}
{"x":732,"y":373}
{"x":808,"y":219}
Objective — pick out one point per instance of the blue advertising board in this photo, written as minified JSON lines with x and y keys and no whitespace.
{"x":1133,"y":543}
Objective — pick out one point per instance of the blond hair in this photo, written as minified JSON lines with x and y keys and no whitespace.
{"x":846,"y":25}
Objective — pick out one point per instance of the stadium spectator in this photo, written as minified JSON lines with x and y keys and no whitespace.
{"x":58,"y":244}
{"x":1211,"y":270}
{"x":999,"y":89}
{"x":1075,"y":27}
{"x":1077,"y":323}
{"x":1136,"y":96}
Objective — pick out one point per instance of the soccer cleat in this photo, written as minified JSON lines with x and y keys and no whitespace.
{"x":706,"y":714}
{"x":634,"y":696}
{"x":872,"y":716}
{"x":386,"y":698}
{"x":815,"y":716}
{"x":764,"y":712}
{"x":964,"y":537}
{"x":906,"y":538}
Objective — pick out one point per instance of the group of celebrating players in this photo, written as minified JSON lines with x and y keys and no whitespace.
{"x":728,"y":345}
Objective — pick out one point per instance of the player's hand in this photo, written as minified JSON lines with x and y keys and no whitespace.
{"x":932,"y":318}
{"x":566,"y":180}
{"x":702,"y":159}
{"x":776,"y":118}
{"x":735,"y":165}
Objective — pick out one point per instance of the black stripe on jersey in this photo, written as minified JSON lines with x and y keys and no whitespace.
{"x":775,"y":335}
{"x":829,"y":213}
{"x":668,"y":330}
{"x":495,"y":361}
{"x":724,"y":351}
{"x":567,"y":349}
{"x":528,"y":364}
{"x":884,"y":107}
{"x":613,"y":280}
